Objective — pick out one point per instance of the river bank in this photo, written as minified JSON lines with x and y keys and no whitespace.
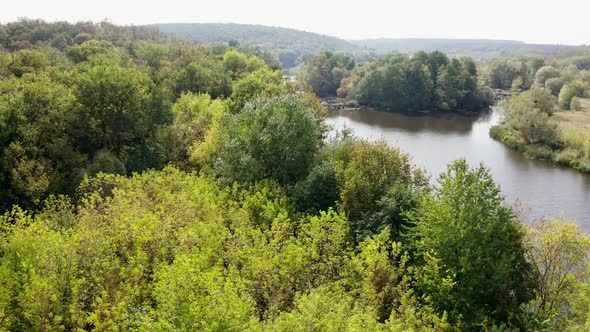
{"x":434,"y":141}
{"x":572,"y":149}
{"x":340,"y":104}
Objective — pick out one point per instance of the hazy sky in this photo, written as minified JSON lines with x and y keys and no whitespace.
{"x":534,"y":21}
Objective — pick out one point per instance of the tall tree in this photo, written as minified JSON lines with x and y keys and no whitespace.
{"x":478,"y":242}
{"x":113,"y":110}
{"x":274,"y":138}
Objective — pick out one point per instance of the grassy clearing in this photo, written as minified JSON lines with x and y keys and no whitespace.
{"x":581,"y":104}
{"x":574,"y":137}
{"x":574,"y":133}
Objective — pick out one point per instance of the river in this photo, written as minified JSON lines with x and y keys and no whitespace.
{"x":539,"y":187}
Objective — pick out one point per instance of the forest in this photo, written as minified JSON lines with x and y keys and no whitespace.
{"x":422,"y":82}
{"x":154,"y":184}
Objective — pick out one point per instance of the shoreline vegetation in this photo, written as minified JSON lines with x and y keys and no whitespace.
{"x":562,"y":138}
{"x":398,"y":83}
{"x":336,"y":103}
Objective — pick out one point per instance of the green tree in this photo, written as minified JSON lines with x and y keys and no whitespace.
{"x":534,"y":126}
{"x":532,"y":66}
{"x":478,"y":241}
{"x":324,"y":71}
{"x":27,"y":61}
{"x":193,"y":116}
{"x":421,"y":84}
{"x":533,"y":99}
{"x":288,"y":58}
{"x":392,"y":209}
{"x":239,"y":64}
{"x":38,"y":153}
{"x":275,"y":138}
{"x":544,"y":73}
{"x":502,"y":74}
{"x":153,"y":55}
{"x":204,"y":75}
{"x":568,"y":92}
{"x":554,"y":85}
{"x":326,"y":310}
{"x":105,"y":161}
{"x":319,"y":191}
{"x":258,"y":84}
{"x":559,"y":251}
{"x":373,"y":171}
{"x":529,"y":114}
{"x":425,"y":81}
{"x":113,"y":107}
{"x":92,"y":49}
{"x":191,"y":295}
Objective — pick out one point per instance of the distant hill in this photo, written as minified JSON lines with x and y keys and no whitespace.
{"x":481,"y":48}
{"x":288,"y":45}
{"x":291,"y":46}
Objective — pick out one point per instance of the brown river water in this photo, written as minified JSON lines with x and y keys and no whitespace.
{"x":541,"y":188}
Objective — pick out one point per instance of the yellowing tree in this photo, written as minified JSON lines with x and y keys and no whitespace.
{"x":560,"y":253}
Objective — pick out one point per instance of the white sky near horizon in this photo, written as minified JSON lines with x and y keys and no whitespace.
{"x":532,"y":21}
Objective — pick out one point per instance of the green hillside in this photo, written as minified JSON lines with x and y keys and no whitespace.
{"x":288,"y":45}
{"x":291,"y":47}
{"x":482,"y":48}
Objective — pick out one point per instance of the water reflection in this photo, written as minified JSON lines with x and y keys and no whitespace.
{"x":435,"y":141}
{"x":443,"y":123}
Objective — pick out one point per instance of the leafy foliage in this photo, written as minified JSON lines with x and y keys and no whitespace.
{"x":426,"y":81}
{"x":371,"y":180}
{"x":92,"y":105}
{"x":559,"y":251}
{"x":274,"y":138}
{"x":112,"y":101}
{"x":193,"y":116}
{"x":27,"y":33}
{"x":319,"y":191}
{"x":545,"y":73}
{"x":568,"y":92}
{"x":258,"y":84}
{"x":259,"y":223}
{"x":528,"y":113}
{"x":324,"y":71}
{"x":477,"y":242}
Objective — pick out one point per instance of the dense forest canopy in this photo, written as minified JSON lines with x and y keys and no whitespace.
{"x":324,"y":72}
{"x":27,"y":33}
{"x":105,"y":104}
{"x":150,"y":184}
{"x":421,"y":82}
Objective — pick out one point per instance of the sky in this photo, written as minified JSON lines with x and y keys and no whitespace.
{"x":533,"y":21}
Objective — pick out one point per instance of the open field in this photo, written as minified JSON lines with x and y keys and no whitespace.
{"x":574,"y":132}
{"x":581,"y":104}
{"x":575,"y":120}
